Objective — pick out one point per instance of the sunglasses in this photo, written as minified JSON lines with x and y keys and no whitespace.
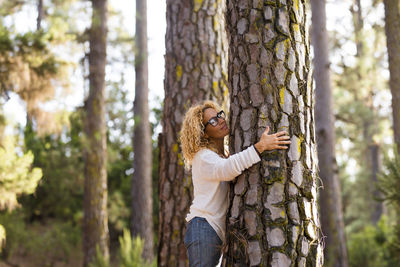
{"x":214,"y":120}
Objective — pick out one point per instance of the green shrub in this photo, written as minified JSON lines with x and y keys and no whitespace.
{"x":100,"y":260}
{"x":43,"y":244}
{"x":373,"y":246}
{"x":131,"y":251}
{"x":364,"y":249}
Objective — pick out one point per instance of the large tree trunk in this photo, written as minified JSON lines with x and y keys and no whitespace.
{"x":273,"y":217}
{"x":392,"y":28}
{"x":141,"y":190}
{"x":95,"y":225}
{"x":195,"y":70}
{"x":335,"y":253}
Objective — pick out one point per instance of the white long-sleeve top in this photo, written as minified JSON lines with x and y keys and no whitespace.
{"x":210,"y":176}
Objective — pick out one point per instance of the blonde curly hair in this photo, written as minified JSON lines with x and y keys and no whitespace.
{"x":192,"y":132}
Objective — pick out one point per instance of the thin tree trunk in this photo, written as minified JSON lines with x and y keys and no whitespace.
{"x":195,"y":70}
{"x":368,"y":125}
{"x":141,"y":190}
{"x":392,"y":28}
{"x":376,"y":194}
{"x":273,"y":217}
{"x":359,"y":25}
{"x":335,"y":253}
{"x":40,"y":14}
{"x":95,"y":225}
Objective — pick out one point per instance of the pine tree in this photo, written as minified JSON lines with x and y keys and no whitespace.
{"x":95,"y":225}
{"x":335,"y":253}
{"x":392,"y":28}
{"x":141,"y":216}
{"x":195,"y":70}
{"x":273,"y":218}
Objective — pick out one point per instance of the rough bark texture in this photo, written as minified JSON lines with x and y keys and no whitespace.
{"x":392,"y":28}
{"x":195,"y":70}
{"x":95,"y":224}
{"x":273,"y":217}
{"x":141,"y":193}
{"x":335,"y":253}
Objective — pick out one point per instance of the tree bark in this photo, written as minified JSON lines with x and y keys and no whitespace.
{"x":40,"y":15}
{"x":141,"y":190}
{"x":369,"y":128}
{"x":95,"y":224}
{"x":392,"y":28}
{"x":335,"y":253}
{"x":358,"y":26}
{"x":195,"y":70}
{"x":376,"y":194}
{"x":273,"y":217}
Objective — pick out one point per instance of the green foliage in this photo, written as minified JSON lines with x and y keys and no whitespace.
{"x":7,"y":7}
{"x":364,"y":249}
{"x":129,"y":254}
{"x":389,"y":185}
{"x":131,"y":251}
{"x":100,"y":260}
{"x":44,"y":244}
{"x":362,"y":120}
{"x":60,"y":158}
{"x":118,"y":211}
{"x":2,"y":237}
{"x":16,"y":175}
{"x":119,"y":153}
{"x":373,"y":246}
{"x":389,"y":181}
{"x":31,"y":69}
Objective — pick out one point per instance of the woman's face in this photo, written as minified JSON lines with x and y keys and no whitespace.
{"x":218,"y":131}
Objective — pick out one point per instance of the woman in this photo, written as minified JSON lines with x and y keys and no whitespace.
{"x":202,"y":139}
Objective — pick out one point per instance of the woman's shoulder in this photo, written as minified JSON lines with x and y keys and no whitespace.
{"x":204,"y":153}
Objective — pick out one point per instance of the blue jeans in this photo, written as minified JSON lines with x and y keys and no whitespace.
{"x":202,"y":243}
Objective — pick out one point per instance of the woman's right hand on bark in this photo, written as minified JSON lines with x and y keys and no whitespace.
{"x":272,"y":141}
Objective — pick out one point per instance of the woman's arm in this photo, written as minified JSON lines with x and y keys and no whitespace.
{"x":212,"y":166}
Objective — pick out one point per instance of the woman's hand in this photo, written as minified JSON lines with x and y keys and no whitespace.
{"x":272,"y":141}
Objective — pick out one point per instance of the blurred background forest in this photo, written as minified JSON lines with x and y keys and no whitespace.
{"x":44,"y":83}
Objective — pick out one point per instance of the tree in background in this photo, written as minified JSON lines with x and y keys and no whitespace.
{"x":33,"y":70}
{"x":392,"y":28}
{"x":362,"y":125}
{"x":360,"y":120}
{"x":389,"y":181}
{"x":17,"y":176}
{"x":95,"y":224}
{"x":273,"y":217}
{"x":141,"y":215}
{"x":335,"y":251}
{"x":195,"y":70}
{"x":364,"y":94}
